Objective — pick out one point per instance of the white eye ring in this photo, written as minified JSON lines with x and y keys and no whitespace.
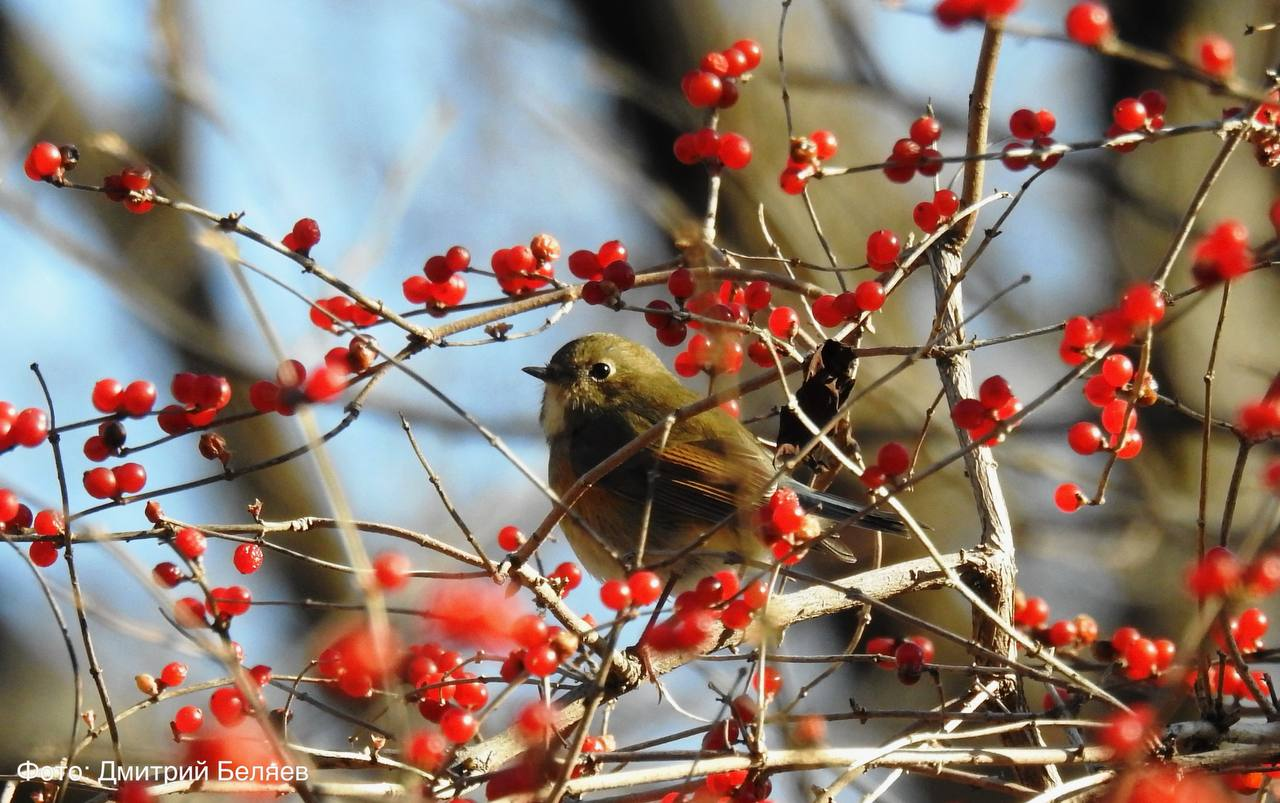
{"x":600,"y":371}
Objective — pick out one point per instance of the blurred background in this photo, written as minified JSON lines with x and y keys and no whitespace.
{"x":405,"y":128}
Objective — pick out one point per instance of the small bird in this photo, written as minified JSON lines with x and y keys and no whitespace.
{"x":602,"y":390}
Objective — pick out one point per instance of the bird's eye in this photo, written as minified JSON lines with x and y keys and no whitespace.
{"x":600,"y":371}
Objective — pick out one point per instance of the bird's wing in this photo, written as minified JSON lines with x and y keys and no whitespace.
{"x":704,"y":478}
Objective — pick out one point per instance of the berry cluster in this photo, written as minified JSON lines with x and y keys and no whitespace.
{"x":640,"y":589}
{"x":785,"y":527}
{"x":908,"y":655}
{"x":441,"y":284}
{"x":112,"y":483}
{"x":953,"y":13}
{"x":930,"y":215}
{"x":893,"y":460}
{"x":28,"y":427}
{"x":1221,"y":574}
{"x":1141,"y":307}
{"x":135,"y":399}
{"x":131,"y":187}
{"x":342,"y":308}
{"x":713,"y":149}
{"x":1111,"y":390}
{"x":715,"y":83}
{"x":979,"y":417}
{"x":805,"y":160}
{"x":199,"y":397}
{"x":1034,"y":127}
{"x":831,"y":310}
{"x":1143,"y":113}
{"x":521,"y":269}
{"x":294,"y":385}
{"x":48,"y":523}
{"x":607,"y":272}
{"x":1089,"y":24}
{"x":541,"y":649}
{"x":1222,"y":255}
{"x":716,"y":597}
{"x":915,"y":152}
{"x":304,"y":236}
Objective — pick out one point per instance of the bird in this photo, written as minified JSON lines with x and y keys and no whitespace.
{"x":602,"y":390}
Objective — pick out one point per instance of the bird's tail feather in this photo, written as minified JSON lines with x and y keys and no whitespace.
{"x":836,"y":508}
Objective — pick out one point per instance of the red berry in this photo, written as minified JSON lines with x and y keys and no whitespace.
{"x":306,"y":233}
{"x":106,"y":395}
{"x":970,"y":414}
{"x":1068,"y":497}
{"x":43,"y":553}
{"x":1079,"y":332}
{"x":130,"y":478}
{"x":189,"y":542}
{"x":1084,"y":437}
{"x":893,"y":458}
{"x":946,"y":202}
{"x":615,"y":594}
{"x":1063,"y":633}
{"x":909,"y":658}
{"x":869,"y":295}
{"x":1155,"y":102}
{"x":793,"y":181}
{"x":750,"y":49}
{"x":100,"y":483}
{"x":1088,"y":23}
{"x":227,"y":706}
{"x":541,"y":661}
{"x":1129,"y":114}
{"x":173,"y":674}
{"x":510,"y":538}
{"x":1253,"y":625}
{"x":458,"y":725}
{"x":44,"y":159}
{"x":925,"y":130}
{"x":926,"y":216}
{"x":772,"y":681}
{"x":1142,"y":305}
{"x":734,"y":151}
{"x":1127,"y":731}
{"x":1217,"y":56}
{"x":995,"y":393}
{"x":391,"y":570}
{"x":825,"y":142}
{"x":30,"y":427}
{"x":1024,"y":124}
{"x":188,"y":719}
{"x":825,"y":311}
{"x":570,"y":573}
{"x":621,"y":275}
{"x":883,"y":247}
{"x":702,"y":88}
{"x":645,"y":587}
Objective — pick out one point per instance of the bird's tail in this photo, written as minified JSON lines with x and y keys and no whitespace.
{"x":830,"y":506}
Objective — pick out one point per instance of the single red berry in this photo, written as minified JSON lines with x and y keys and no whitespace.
{"x":1253,"y":624}
{"x":946,"y":202}
{"x":570,"y":573}
{"x":188,"y":719}
{"x":167,"y":574}
{"x":43,"y":553}
{"x":1080,"y":332}
{"x":189,"y":542}
{"x":757,"y":295}
{"x":130,"y":478}
{"x":106,"y":395}
{"x":1063,"y":633}
{"x":227,"y":706}
{"x":1117,"y":369}
{"x":925,"y":130}
{"x":1084,"y":437}
{"x":772,"y":681}
{"x":306,"y":233}
{"x":794,"y":180}
{"x":458,"y":725}
{"x":173,"y":674}
{"x":1068,"y":497}
{"x":826,"y":143}
{"x":100,"y":483}
{"x":1142,"y":305}
{"x":995,"y":393}
{"x":734,"y":151}
{"x":1217,"y":56}
{"x":541,"y":661}
{"x":247,"y":558}
{"x":970,"y":414}
{"x":1155,"y":102}
{"x":825,"y":311}
{"x":615,"y":594}
{"x":1129,"y":114}
{"x":48,"y":522}
{"x":44,"y":159}
{"x":1024,"y":124}
{"x":702,"y":88}
{"x":645,"y":587}
{"x":926,"y":216}
{"x":893,"y":458}
{"x":1128,"y":731}
{"x":783,"y":322}
{"x":1088,"y":23}
{"x":510,"y":538}
{"x":30,"y":427}
{"x":621,"y":274}
{"x":869,"y":295}
{"x":883,"y":247}
{"x":909,"y":658}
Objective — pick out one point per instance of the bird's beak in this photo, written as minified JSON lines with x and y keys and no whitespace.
{"x":537,"y":372}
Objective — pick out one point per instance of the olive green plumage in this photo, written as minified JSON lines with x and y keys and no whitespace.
{"x":602,"y":390}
